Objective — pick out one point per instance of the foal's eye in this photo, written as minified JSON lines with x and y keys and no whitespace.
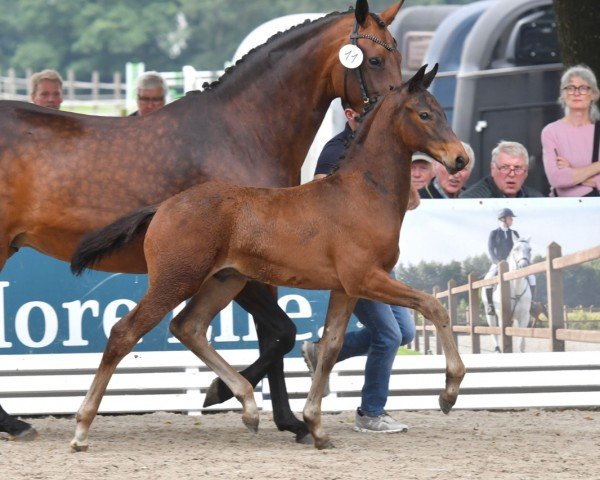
{"x":375,"y":61}
{"x":424,"y":116}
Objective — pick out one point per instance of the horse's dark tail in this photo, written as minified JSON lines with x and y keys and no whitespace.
{"x":102,"y":242}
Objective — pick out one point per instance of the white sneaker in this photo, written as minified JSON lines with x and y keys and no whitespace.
{"x":381,"y":424}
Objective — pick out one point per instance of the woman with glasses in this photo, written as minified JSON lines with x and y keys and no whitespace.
{"x":571,"y":166}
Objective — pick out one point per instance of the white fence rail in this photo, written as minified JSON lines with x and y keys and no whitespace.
{"x":177,"y":381}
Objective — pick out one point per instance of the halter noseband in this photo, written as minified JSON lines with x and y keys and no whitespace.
{"x":354,"y":36}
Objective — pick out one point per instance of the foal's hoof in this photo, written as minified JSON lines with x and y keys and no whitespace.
{"x":445,"y":405}
{"x":76,"y":447}
{"x":304,"y":438}
{"x":251,"y":424}
{"x":27,"y":435}
{"x":324,"y":444}
{"x":217,"y":393}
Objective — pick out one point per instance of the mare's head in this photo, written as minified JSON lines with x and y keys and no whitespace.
{"x":364,"y":54}
{"x":520,"y":255}
{"x":422,"y":125}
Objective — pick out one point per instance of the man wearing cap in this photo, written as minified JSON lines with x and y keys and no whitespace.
{"x":500,"y":243}
{"x":421,"y":170}
{"x":446,"y":184}
{"x":508,"y":171}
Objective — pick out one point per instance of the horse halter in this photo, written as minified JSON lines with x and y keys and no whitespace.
{"x":354,"y":36}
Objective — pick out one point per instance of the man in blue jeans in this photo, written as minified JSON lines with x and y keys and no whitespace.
{"x":386,"y":327}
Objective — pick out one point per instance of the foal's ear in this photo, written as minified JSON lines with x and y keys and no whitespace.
{"x":361,"y":11}
{"x":428,"y":78}
{"x":417,"y":80}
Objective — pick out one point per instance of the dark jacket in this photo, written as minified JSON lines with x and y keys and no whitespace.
{"x":329,"y":158}
{"x":499,"y":246}
{"x":486,"y":188}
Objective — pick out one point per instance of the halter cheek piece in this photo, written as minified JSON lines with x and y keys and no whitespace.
{"x":354,"y":36}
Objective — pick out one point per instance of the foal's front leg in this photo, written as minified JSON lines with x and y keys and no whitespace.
{"x":338,"y":312}
{"x":378,"y":285}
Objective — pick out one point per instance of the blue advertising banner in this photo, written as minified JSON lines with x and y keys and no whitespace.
{"x":45,"y":309}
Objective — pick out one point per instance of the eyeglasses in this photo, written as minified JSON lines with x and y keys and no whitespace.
{"x":151,"y":99}
{"x":582,"y":89}
{"x":506,"y":169}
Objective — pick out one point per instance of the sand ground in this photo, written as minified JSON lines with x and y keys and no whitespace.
{"x":494,"y":445}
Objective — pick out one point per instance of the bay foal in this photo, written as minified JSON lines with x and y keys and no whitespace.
{"x":340,"y":234}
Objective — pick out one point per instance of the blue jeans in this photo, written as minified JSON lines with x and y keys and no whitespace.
{"x":387,"y":327}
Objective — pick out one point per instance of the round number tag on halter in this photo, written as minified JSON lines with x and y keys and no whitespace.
{"x":351,"y":56}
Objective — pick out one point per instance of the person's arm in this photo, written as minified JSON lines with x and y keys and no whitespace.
{"x":558,"y":168}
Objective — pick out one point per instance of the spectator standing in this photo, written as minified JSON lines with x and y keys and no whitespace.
{"x":570,"y":145}
{"x":151,"y":93}
{"x":421,"y":170}
{"x":508,"y":171}
{"x":46,"y":89}
{"x":446,"y":184}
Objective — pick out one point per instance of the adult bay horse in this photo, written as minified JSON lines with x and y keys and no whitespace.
{"x":520,"y":292}
{"x":340,"y":234}
{"x":63,"y":175}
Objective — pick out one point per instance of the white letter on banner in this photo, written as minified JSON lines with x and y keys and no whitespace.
{"x":3,"y":342}
{"x":226,"y":319}
{"x":110,"y":314}
{"x":50,"y":324}
{"x":304,"y":311}
{"x":76,"y":310}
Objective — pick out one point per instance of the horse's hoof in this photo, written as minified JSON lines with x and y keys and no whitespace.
{"x":77,"y":447}
{"x":27,"y":435}
{"x":324,"y":445}
{"x":216,"y":393}
{"x":251,"y":424}
{"x":445,"y":405}
{"x":304,"y":438}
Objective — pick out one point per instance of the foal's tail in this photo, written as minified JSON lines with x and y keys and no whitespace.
{"x":102,"y":242}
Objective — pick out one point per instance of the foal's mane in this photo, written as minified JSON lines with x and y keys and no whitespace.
{"x":365,"y":121}
{"x":297,"y":29}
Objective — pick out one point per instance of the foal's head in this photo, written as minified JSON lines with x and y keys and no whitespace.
{"x":422,"y":125}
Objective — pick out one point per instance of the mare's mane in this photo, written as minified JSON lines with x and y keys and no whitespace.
{"x":296,"y":29}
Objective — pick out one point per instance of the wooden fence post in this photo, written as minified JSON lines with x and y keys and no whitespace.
{"x":556,"y":297}
{"x":71,"y":84}
{"x":117,"y":84}
{"x":438,"y":344}
{"x":505,"y":310}
{"x":473,"y":314}
{"x":426,"y":342}
{"x":95,"y":85}
{"x":452,"y":309}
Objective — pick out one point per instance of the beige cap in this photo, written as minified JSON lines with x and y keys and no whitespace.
{"x":422,"y":156}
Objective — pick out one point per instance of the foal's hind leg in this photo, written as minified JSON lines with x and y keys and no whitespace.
{"x":379,"y":286}
{"x":124,"y":335}
{"x":190,"y":327}
{"x":276,"y":336}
